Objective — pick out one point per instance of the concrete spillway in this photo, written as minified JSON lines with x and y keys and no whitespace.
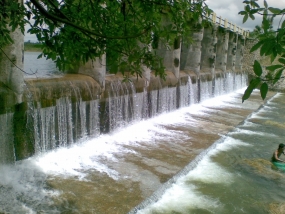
{"x":114,"y":171}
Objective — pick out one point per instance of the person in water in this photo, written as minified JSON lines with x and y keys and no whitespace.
{"x":278,"y":153}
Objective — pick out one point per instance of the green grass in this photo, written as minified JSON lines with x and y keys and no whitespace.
{"x":37,"y":47}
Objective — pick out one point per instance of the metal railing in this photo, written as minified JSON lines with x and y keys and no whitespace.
{"x":226,"y":24}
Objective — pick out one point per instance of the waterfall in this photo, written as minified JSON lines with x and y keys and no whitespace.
{"x":186,"y":89}
{"x":63,"y":124}
{"x":229,"y":82}
{"x":153,"y":103}
{"x":206,"y":90}
{"x":166,"y":99}
{"x":70,"y":119}
{"x":219,"y":86}
{"x":126,"y":155}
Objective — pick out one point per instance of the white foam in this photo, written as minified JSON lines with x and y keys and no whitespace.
{"x":94,"y":153}
{"x":28,"y":177}
{"x":181,"y":198}
{"x":209,"y":172}
{"x":249,"y":132}
{"x":183,"y":195}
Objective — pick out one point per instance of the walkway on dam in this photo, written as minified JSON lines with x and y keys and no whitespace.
{"x":142,"y":166}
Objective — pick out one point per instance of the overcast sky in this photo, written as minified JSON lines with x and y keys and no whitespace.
{"x":227,"y":9}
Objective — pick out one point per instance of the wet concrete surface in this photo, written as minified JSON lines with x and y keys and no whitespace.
{"x":144,"y":170}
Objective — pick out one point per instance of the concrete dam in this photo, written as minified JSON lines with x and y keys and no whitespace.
{"x":90,"y":142}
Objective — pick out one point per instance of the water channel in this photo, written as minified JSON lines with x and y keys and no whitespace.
{"x":235,"y":174}
{"x":211,"y":157}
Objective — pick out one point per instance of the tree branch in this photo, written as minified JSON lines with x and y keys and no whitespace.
{"x":267,"y":80}
{"x":44,"y":12}
{"x":15,"y":64}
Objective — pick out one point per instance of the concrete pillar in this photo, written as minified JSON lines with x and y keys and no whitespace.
{"x":170,"y":53}
{"x":208,"y":57}
{"x":96,"y":69}
{"x":222,"y":49}
{"x":232,"y":47}
{"x":191,"y":53}
{"x":145,"y":70}
{"x":11,"y":63}
{"x":170,"y":56}
{"x":240,"y":52}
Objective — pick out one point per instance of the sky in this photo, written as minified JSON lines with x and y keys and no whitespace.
{"x":227,"y":9}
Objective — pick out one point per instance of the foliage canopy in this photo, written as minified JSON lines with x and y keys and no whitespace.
{"x":75,"y":31}
{"x":270,"y":43}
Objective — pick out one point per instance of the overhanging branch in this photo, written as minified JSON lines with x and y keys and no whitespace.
{"x":45,"y":13}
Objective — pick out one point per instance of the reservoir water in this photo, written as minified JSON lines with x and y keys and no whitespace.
{"x":41,"y":67}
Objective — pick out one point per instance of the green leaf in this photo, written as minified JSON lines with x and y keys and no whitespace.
{"x":273,"y":67}
{"x":277,"y":75}
{"x":283,"y":24}
{"x":245,"y":18}
{"x":254,"y":4}
{"x":257,"y":68}
{"x":252,"y":85}
{"x":274,"y":10}
{"x":253,"y":11}
{"x":273,"y":55}
{"x":263,"y":90}
{"x":265,"y":48}
{"x":256,"y":46}
{"x":40,"y":56}
{"x":242,"y":13}
{"x":265,"y":4}
{"x":282,"y":60}
{"x":247,"y":93}
{"x":251,"y":16}
{"x":265,"y":23}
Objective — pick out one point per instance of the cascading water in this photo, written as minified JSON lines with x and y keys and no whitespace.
{"x":234,"y":175}
{"x":190,"y":90}
{"x":111,"y":169}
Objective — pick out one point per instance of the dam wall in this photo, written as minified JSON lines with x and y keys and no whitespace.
{"x":52,"y":112}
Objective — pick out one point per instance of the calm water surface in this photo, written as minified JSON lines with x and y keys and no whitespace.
{"x":38,"y":67}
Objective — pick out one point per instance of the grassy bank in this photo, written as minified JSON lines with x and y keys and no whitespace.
{"x":35,"y":47}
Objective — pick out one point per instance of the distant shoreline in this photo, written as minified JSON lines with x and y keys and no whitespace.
{"x":33,"y":50}
{"x":32,"y":47}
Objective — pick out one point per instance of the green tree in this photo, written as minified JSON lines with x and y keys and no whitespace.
{"x":269,"y":42}
{"x":75,"y":31}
